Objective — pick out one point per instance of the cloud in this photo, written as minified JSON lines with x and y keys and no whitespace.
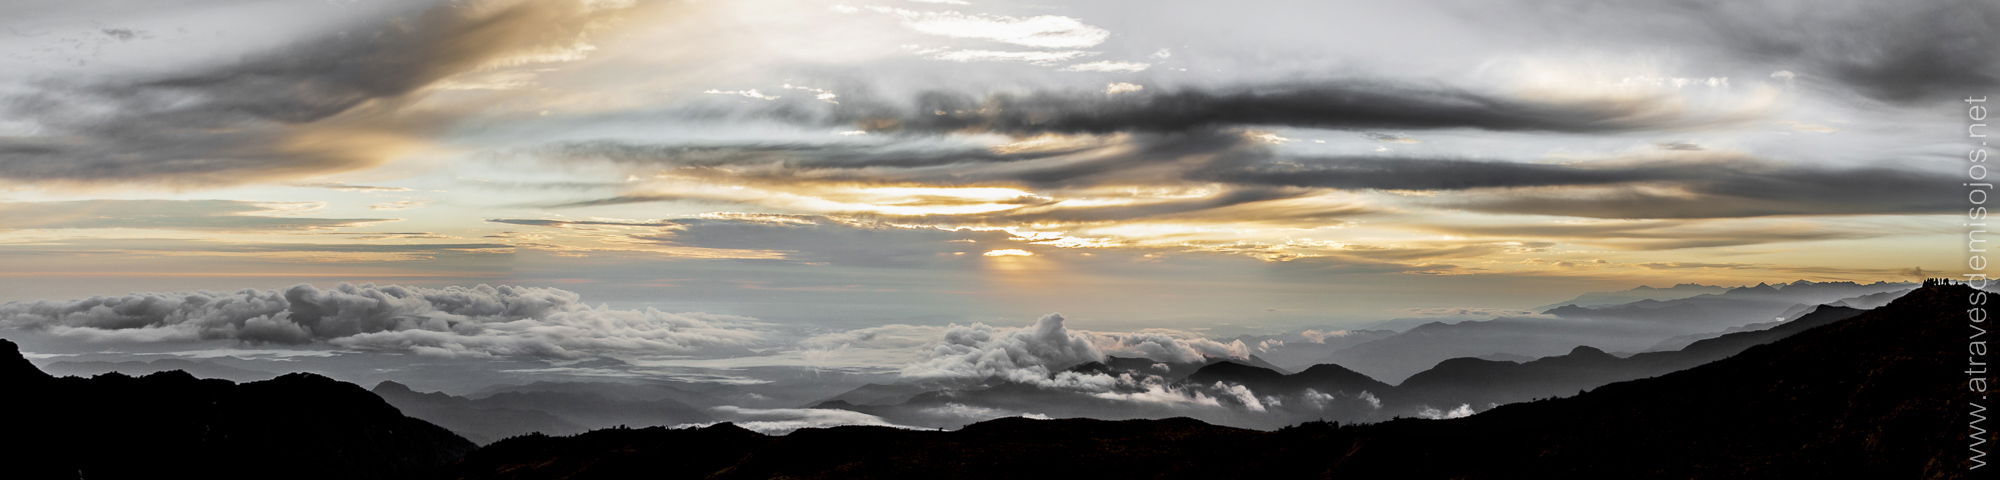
{"x":824,"y":239}
{"x":1040,"y":31}
{"x":1315,"y":335}
{"x":1351,"y":104}
{"x":541,"y":222}
{"x":1038,"y":354}
{"x":1241,"y":394}
{"x":1238,"y":171}
{"x":750,"y":93}
{"x":1028,"y":354}
{"x":976,"y":413}
{"x":1049,"y":57}
{"x":1168,"y":345}
{"x":481,"y":321}
{"x":825,"y":177}
{"x":1734,"y":190}
{"x":790,"y":155}
{"x":324,"y":105}
{"x":398,"y":205}
{"x":1108,"y":66}
{"x":779,"y":421}
{"x":1463,"y":410}
{"x":352,"y":188}
{"x":1115,"y":88}
{"x":1323,"y":400}
{"x":205,"y":215}
{"x":1154,"y":390}
{"x":1909,"y":54}
{"x":1683,"y":185}
{"x":1667,"y":234}
{"x":144,"y":249}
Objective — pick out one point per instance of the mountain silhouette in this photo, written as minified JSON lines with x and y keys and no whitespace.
{"x":1640,"y":293}
{"x":558,"y":408}
{"x":173,"y":425}
{"x":198,"y":368}
{"x":1873,"y":395}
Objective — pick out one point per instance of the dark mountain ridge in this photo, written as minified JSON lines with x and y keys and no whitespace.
{"x":555,"y":408}
{"x":173,"y":425}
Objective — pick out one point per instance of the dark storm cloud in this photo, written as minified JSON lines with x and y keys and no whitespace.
{"x":1407,"y":173}
{"x":1897,"y":52}
{"x":1331,"y":104}
{"x":1743,"y":191}
{"x":1146,"y":158}
{"x":216,"y":215}
{"x":254,"y":119}
{"x":1910,"y":53}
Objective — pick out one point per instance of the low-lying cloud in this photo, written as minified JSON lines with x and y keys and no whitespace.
{"x":481,"y":321}
{"x":779,"y":421}
{"x":1038,"y":352}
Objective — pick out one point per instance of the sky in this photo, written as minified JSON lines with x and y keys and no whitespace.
{"x":704,"y":173}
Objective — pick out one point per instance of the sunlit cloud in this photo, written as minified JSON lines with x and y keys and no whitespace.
{"x":1042,"y":31}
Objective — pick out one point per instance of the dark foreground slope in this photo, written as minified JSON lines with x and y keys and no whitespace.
{"x":1879,"y":395}
{"x":172,"y":425}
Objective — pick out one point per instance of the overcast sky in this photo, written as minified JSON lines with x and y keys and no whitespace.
{"x":1203,"y":166}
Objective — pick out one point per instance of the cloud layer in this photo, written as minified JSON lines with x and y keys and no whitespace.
{"x":478,"y":321}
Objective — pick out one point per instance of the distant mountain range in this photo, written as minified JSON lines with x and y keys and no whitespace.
{"x":1631,"y":327}
{"x":198,"y":368}
{"x":1640,"y":293}
{"x":546,"y":407}
{"x":1850,"y":395}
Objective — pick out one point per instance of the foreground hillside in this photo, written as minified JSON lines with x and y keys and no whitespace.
{"x":172,"y":425}
{"x":1878,"y":395}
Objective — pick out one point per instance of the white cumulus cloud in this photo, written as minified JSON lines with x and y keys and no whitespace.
{"x":1040,"y":31}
